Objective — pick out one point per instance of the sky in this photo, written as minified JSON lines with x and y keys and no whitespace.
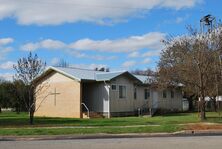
{"x":118,"y":34}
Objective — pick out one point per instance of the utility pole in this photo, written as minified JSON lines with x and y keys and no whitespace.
{"x":207,"y":23}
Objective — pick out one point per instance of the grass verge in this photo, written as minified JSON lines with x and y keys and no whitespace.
{"x":69,"y":131}
{"x":17,"y":124}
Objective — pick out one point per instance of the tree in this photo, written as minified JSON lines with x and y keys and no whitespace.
{"x":194,"y":61}
{"x":27,"y":69}
{"x":5,"y":96}
{"x":1,"y":95}
{"x":147,"y":72}
{"x":19,"y":91}
{"x":62,"y":63}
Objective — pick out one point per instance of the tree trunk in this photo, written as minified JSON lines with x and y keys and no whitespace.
{"x":215,"y":105}
{"x":17,"y":109}
{"x":202,"y":110}
{"x":0,"y":109}
{"x":190,"y":100}
{"x":31,"y":106}
{"x":31,"y":117}
{"x":202,"y":100}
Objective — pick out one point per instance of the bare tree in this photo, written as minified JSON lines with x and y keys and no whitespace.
{"x":147,"y":72}
{"x":193,"y":60}
{"x":62,"y":63}
{"x":27,"y":69}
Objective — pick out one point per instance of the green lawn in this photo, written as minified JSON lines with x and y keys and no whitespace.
{"x":17,"y":124}
{"x":68,"y":131}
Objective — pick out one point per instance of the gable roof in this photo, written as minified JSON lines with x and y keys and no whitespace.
{"x":106,"y":76}
{"x":92,"y":75}
{"x":145,"y":79}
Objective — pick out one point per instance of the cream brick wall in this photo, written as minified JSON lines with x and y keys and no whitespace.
{"x":68,"y":101}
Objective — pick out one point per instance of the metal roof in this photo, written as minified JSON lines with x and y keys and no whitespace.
{"x":76,"y":73}
{"x":92,"y":75}
{"x":145,"y":79}
{"x":104,"y":76}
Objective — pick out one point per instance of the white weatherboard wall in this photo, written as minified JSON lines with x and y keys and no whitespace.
{"x":128,"y":104}
{"x":171,"y":103}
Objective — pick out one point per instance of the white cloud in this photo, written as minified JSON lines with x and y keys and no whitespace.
{"x":4,"y":51}
{"x":132,"y":43}
{"x":94,"y":57}
{"x":53,"y":12}
{"x":30,"y":47}
{"x":88,"y":66}
{"x":128,"y":64}
{"x":147,"y":54}
{"x":45,"y":44}
{"x":129,"y":44}
{"x":5,"y":41}
{"x":175,"y":20}
{"x":6,"y":76}
{"x":181,"y":19}
{"x":132,"y":63}
{"x":134,"y":54}
{"x":4,"y":48}
{"x":178,"y":4}
{"x":146,"y":61}
{"x":7,"y":65}
{"x":151,"y":53}
{"x":55,"y":61}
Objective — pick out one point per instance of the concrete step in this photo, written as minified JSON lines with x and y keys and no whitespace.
{"x":92,"y":114}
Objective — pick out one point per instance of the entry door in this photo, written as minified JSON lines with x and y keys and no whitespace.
{"x":155,"y":99}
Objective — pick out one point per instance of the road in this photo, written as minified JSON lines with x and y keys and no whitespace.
{"x":203,"y":142}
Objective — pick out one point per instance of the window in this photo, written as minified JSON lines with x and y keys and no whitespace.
{"x":146,"y":94}
{"x":122,"y":91}
{"x":164,"y":94}
{"x":135,"y":94}
{"x":172,"y":94}
{"x":113,"y":87}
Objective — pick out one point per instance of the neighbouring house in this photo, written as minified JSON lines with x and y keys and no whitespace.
{"x":71,"y":92}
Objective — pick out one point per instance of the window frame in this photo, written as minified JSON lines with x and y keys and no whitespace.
{"x":135,"y":93}
{"x":164,"y":94}
{"x":124,"y":86}
{"x":112,"y":87}
{"x":172,"y":95}
{"x":146,"y":94}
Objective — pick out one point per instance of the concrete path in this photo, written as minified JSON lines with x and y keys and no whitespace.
{"x":194,"y":142}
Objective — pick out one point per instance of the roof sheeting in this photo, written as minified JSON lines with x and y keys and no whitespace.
{"x":145,"y":79}
{"x":79,"y":74}
{"x":107,"y":75}
{"x":91,"y":75}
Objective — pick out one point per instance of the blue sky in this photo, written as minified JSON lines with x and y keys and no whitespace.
{"x":123,"y":34}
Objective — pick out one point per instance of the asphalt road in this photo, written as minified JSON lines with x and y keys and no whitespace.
{"x":203,"y":142}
